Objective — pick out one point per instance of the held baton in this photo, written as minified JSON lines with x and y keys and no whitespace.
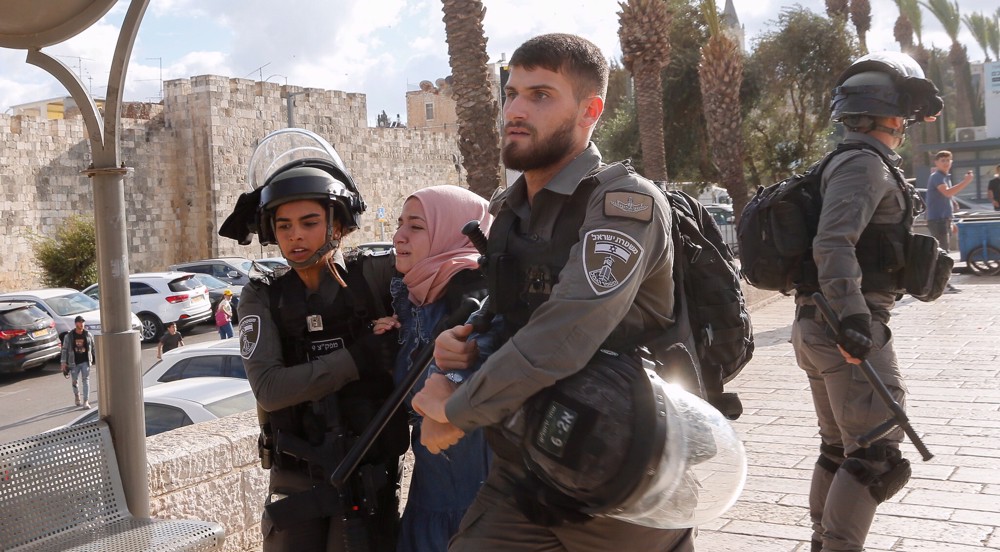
{"x":898,"y":415}
{"x":388,"y":408}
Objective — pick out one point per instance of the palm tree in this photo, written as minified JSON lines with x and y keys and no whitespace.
{"x":861,"y":16}
{"x":993,"y":37}
{"x":902,"y":31}
{"x":947,"y":13}
{"x":979,"y":25}
{"x":475,"y":98}
{"x":720,"y":75}
{"x":837,"y":10}
{"x":644,"y":35}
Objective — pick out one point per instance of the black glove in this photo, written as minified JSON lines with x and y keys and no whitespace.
{"x":856,"y":335}
{"x":374,"y":355}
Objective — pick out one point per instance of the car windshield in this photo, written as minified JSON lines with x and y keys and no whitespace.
{"x":245,"y":266}
{"x":233,"y":405}
{"x":211,"y":282}
{"x":73,"y":303}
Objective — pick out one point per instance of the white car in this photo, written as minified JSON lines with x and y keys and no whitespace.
{"x":158,"y":298}
{"x":181,"y":403}
{"x":232,"y":270}
{"x":64,"y":305}
{"x":208,"y":359}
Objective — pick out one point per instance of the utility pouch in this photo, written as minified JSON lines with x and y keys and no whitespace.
{"x":265,"y":450}
{"x":788,"y":229}
{"x":502,"y":279}
{"x":928,"y":268}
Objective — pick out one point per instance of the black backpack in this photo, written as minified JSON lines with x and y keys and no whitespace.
{"x":712,"y":321}
{"x":712,"y":311}
{"x":777,"y":227}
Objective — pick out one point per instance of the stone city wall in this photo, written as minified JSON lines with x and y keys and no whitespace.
{"x":190,"y":157}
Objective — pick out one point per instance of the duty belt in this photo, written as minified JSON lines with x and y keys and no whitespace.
{"x":810,"y":312}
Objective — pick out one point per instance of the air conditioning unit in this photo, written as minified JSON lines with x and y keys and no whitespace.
{"x":970,"y":134}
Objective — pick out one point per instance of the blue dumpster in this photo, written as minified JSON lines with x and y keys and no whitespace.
{"x":979,"y":245}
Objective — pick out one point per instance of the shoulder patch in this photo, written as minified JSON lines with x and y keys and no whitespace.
{"x":609,"y":259}
{"x":633,"y":205}
{"x":249,"y":334}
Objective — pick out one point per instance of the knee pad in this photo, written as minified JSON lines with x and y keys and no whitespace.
{"x":881,"y":486}
{"x":824,"y":460}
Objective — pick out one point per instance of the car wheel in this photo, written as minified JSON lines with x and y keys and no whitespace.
{"x":152,"y":328}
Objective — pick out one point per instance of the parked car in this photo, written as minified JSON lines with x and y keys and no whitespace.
{"x":376,"y":247}
{"x":64,"y":305}
{"x":28,"y":337}
{"x":161,"y":297}
{"x":208,"y":359}
{"x":182,"y":403}
{"x":232,"y":270}
{"x":216,"y":290}
{"x":723,"y":215}
{"x":272,"y":262}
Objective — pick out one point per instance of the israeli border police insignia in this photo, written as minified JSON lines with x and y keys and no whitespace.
{"x":249,"y":334}
{"x":633,"y":205}
{"x":609,"y":258}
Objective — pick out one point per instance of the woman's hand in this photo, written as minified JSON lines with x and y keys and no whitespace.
{"x":385,"y":324}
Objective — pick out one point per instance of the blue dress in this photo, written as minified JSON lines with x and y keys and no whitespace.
{"x":442,"y":485}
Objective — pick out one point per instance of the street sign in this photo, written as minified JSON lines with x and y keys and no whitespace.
{"x":380,"y":214}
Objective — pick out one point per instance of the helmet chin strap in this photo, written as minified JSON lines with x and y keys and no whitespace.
{"x":897,"y":133}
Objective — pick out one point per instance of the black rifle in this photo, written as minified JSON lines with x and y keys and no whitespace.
{"x":388,"y":408}
{"x":898,"y":415}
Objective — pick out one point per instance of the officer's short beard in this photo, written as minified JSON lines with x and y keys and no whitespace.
{"x":544,"y":152}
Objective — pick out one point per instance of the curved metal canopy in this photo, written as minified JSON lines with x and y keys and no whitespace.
{"x":25,"y":25}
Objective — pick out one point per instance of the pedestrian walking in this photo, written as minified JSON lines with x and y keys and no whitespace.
{"x":224,"y":315}
{"x":78,"y":356}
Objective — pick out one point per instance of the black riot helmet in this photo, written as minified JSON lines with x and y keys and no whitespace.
{"x":615,"y":440}
{"x":292,"y":164}
{"x":884,"y":84}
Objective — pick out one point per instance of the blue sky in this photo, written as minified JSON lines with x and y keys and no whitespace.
{"x":378,"y":47}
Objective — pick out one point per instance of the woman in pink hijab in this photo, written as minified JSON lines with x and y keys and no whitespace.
{"x":439,"y":267}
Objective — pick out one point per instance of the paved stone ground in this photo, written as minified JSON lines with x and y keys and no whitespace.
{"x":949,"y":353}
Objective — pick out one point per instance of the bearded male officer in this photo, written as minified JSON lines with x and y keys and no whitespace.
{"x":594,"y":269}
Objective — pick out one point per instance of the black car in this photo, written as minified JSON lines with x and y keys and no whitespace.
{"x":28,"y":337}
{"x":216,"y":289}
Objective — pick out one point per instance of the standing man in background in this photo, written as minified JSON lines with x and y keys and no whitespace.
{"x":940,"y":210}
{"x":77,"y":358}
{"x":940,"y":190}
{"x":993,"y":189}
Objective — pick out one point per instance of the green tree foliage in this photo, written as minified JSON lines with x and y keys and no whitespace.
{"x":686,"y":143}
{"x":69,"y":259}
{"x":789,"y":78}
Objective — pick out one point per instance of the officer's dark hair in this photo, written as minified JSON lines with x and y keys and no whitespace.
{"x":578,"y":58}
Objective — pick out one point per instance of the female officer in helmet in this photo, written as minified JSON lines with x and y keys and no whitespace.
{"x":317,"y":370}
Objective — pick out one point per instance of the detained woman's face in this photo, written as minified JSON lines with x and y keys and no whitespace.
{"x":300,"y":227}
{"x":412,"y":238}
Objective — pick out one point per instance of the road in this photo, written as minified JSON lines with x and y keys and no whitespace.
{"x":38,"y":400}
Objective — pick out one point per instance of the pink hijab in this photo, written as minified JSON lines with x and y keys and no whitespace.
{"x":447,"y":209}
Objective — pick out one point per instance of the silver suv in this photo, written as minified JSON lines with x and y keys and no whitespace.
{"x":159,"y":298}
{"x":232,"y":270}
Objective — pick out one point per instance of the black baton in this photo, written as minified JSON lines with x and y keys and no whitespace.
{"x":898,"y":415}
{"x":388,"y":408}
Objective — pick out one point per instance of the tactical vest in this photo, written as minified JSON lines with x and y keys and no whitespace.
{"x":522,"y":268}
{"x":311,"y":329}
{"x":881,"y":249}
